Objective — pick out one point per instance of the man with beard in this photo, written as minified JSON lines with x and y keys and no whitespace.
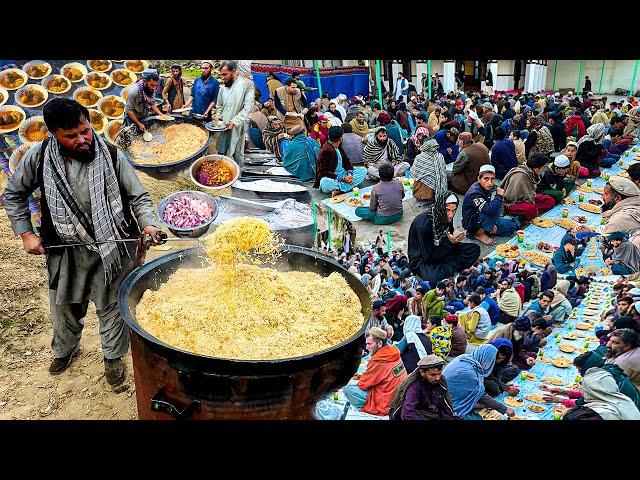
{"x":204,"y":91}
{"x":381,"y":151}
{"x":90,"y":194}
{"x":140,"y":101}
{"x":519,"y":184}
{"x":291,"y":104}
{"x":623,"y":350}
{"x":173,"y":91}
{"x":621,"y":209}
{"x":377,"y":318}
{"x":235,"y":102}
{"x":424,"y":394}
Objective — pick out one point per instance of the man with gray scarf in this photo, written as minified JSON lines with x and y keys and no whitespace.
{"x":90,"y":194}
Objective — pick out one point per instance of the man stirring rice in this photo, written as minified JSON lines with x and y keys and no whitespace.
{"x":90,"y":193}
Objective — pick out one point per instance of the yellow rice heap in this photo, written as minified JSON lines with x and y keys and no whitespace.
{"x":235,"y":309}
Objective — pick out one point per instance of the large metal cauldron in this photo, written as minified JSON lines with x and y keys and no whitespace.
{"x":179,"y":384}
{"x":168,"y":167}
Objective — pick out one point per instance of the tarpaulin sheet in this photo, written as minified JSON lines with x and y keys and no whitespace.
{"x":350,"y":84}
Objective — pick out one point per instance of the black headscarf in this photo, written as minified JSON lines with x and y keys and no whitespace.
{"x":438,"y":214}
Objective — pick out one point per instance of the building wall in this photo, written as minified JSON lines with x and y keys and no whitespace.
{"x":617,"y":74}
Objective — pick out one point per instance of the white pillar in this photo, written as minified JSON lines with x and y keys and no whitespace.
{"x":529,"y":73}
{"x":536,"y":74}
{"x":421,"y":67}
{"x":493,"y":66}
{"x":449,"y":74}
{"x":543,"y":79}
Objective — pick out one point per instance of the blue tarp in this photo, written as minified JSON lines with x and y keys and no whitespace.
{"x":351,"y":84}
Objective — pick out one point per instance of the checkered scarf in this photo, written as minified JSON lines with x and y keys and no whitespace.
{"x":71,"y":222}
{"x":149,"y":101}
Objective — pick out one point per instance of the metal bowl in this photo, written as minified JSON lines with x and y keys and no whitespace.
{"x":167,"y":167}
{"x":33,"y":63}
{"x":193,"y":232}
{"x":195,"y":166}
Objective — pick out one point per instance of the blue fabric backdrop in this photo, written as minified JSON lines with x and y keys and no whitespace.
{"x":351,"y":84}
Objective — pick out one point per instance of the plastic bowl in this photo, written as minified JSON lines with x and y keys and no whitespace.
{"x":195,"y":166}
{"x":194,"y":232}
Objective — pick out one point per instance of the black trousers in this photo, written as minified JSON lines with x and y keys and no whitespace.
{"x":459,"y":258}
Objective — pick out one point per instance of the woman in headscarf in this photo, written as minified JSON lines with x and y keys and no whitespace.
{"x":429,"y":172}
{"x":396,"y":307}
{"x":273,"y":134}
{"x":465,"y":376}
{"x":595,"y":134}
{"x":415,"y":142}
{"x":414,"y":344}
{"x":435,"y":250}
{"x":503,"y":371}
{"x":320,"y":131}
{"x":601,"y":394}
{"x":382,"y":150}
{"x":560,"y":306}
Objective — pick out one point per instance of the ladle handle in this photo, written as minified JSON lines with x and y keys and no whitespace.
{"x":160,"y":403}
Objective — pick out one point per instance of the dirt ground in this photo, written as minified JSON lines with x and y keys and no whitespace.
{"x":27,"y":390}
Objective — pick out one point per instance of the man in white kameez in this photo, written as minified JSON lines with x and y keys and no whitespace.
{"x":235,"y":101}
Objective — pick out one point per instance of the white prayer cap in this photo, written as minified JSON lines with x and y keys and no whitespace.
{"x":473,"y":114}
{"x":570,"y":92}
{"x":451,"y":199}
{"x":561,"y":161}
{"x":487,"y":168}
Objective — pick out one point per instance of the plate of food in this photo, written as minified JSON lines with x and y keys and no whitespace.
{"x":570,"y":336}
{"x":112,"y":129}
{"x":33,"y":130}
{"x":623,"y":174}
{"x":13,"y":78}
{"x":339,"y":198}
{"x":584,"y":228}
{"x":605,"y":271}
{"x":490,"y":414}
{"x":37,"y":69}
{"x":595,"y":201}
{"x":569,"y":201}
{"x":587,"y":207}
{"x":584,"y":326}
{"x":537,"y":258}
{"x":87,"y":96}
{"x":535,"y":397}
{"x":552,"y":381}
{"x":599,"y":190}
{"x":31,"y":96}
{"x":4,"y":95}
{"x":508,"y":250}
{"x":564,"y":223}
{"x":74,"y":71}
{"x":543,"y":359}
{"x":530,"y":376}
{"x":354,"y":202}
{"x":123,"y":77}
{"x":545,"y":247}
{"x":136,"y":66}
{"x":56,"y":84}
{"x":566,"y":348}
{"x":561,"y":362}
{"x":535,"y":408}
{"x":217,"y":126}
{"x":366,"y":196}
{"x":581,"y":271}
{"x":99,"y":65}
{"x":98,"y":120}
{"x":542,"y":222}
{"x":584,"y":188}
{"x":98,"y":80}
{"x":514,"y":401}
{"x":11,"y":118}
{"x":17,"y":155}
{"x":112,"y":106}
{"x":580,"y":218}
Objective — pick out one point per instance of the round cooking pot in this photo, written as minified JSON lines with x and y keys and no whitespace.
{"x":168,"y":167}
{"x":173,"y":383}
